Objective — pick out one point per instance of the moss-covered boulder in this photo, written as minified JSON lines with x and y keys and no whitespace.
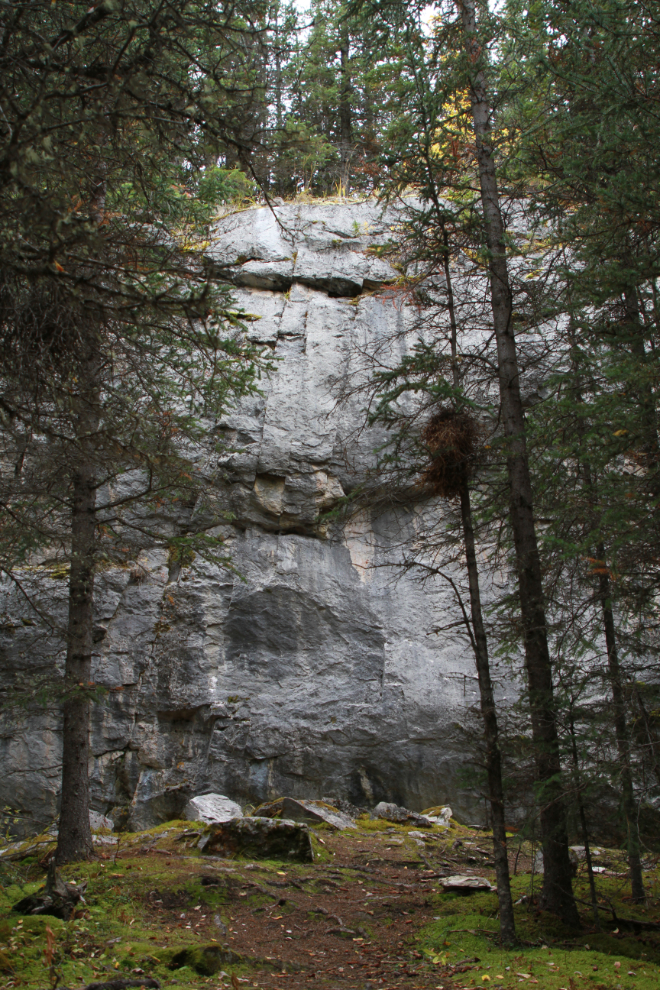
{"x":206,"y":959}
{"x":258,"y":838}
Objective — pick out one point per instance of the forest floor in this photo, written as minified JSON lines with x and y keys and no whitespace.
{"x":368,"y":914}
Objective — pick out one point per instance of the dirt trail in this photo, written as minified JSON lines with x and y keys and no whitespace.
{"x":347,"y":923}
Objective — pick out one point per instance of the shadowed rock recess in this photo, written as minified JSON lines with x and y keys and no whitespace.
{"x":312,"y":672}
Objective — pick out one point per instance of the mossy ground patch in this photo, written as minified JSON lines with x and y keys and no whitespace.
{"x":367,"y":913}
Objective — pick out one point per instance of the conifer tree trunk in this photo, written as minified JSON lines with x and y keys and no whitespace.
{"x":480,"y":643}
{"x":614,"y":671}
{"x":622,"y":737}
{"x":74,"y":841}
{"x":557,"y":893}
{"x":489,"y":716}
{"x":583,"y":820}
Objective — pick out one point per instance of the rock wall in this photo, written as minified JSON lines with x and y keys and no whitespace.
{"x":311,"y":671}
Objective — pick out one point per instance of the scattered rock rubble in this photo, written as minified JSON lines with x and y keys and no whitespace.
{"x":217,"y":809}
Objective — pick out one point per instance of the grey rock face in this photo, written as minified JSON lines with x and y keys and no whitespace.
{"x":212,"y":808}
{"x":311,"y":670}
{"x":97,"y":821}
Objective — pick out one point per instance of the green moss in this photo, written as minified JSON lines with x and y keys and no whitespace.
{"x":205,"y":959}
{"x":321,"y":853}
{"x":369,"y":825}
{"x":121,"y":906}
{"x":5,"y":963}
{"x":467,"y":927}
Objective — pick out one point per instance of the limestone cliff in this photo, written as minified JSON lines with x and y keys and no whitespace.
{"x":312,"y":671}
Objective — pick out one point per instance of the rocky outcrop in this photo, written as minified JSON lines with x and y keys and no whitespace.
{"x":311,"y":669}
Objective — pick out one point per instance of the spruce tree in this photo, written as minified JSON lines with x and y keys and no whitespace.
{"x":589,"y":152}
{"x":114,"y":344}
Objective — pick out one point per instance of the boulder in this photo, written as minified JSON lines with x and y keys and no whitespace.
{"x":314,"y":812}
{"x":211,"y":808}
{"x":403,"y":816}
{"x":351,"y":810}
{"x":579,"y":853}
{"x":440,"y":815}
{"x":98,"y":821}
{"x":258,"y":838}
{"x":463,"y":884}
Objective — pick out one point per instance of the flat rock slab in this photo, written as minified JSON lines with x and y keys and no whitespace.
{"x":467,"y":885}
{"x":211,"y":808}
{"x":306,"y":811}
{"x":258,"y":838}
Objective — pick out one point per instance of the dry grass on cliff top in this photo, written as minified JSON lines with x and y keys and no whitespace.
{"x":368,"y":913}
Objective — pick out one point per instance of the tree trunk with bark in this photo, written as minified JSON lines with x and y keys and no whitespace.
{"x":583,"y":820}
{"x":557,"y":892}
{"x":622,"y":738}
{"x":620,"y":722}
{"x":74,"y":841}
{"x":75,"y":838}
{"x":491,"y":737}
{"x":480,"y":645}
